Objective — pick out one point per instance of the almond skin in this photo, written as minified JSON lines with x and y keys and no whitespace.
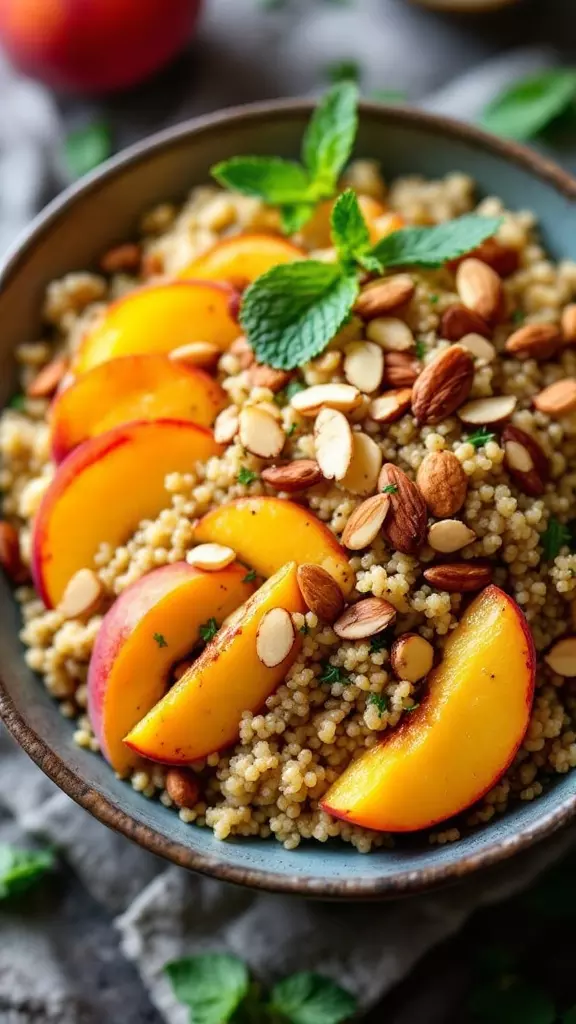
{"x":365,"y":618}
{"x":384,"y":295}
{"x":182,"y":787}
{"x":534,"y":341}
{"x":122,"y":259}
{"x":525,"y":461}
{"x":366,"y":522}
{"x":405,"y":523}
{"x":390,"y":406}
{"x":47,"y":380}
{"x":443,"y":385}
{"x":263,"y":376}
{"x":479,"y":288}
{"x":320,"y":591}
{"x":10,"y":558}
{"x":443,"y":483}
{"x":294,"y":476}
{"x":457,"y":321}
{"x":400,"y":369}
{"x":557,"y":399}
{"x":459,"y":578}
{"x":502,"y":258}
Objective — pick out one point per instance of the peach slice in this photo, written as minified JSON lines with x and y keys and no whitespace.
{"x":455,"y":746}
{"x":102,"y":491}
{"x":202,"y":712}
{"x":152,"y":625}
{"x":158,"y":319}
{"x":242,"y":258}
{"x":144,"y":387}
{"x":267,"y":532}
{"x":315,"y":234}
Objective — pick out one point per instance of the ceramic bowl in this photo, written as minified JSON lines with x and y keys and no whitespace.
{"x":70,"y":234}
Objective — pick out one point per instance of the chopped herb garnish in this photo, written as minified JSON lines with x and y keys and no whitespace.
{"x":413,"y":706}
{"x":332,"y":674}
{"x":291,"y":429}
{"x":555,"y":537}
{"x":379,"y":642}
{"x":480,"y":437}
{"x":246,"y":476}
{"x":208,"y":630}
{"x":160,"y":640}
{"x":250,"y":576}
{"x":305,"y":629}
{"x":390,"y":489}
{"x":379,"y":701}
{"x":420,"y":349}
{"x":17,"y":402}
{"x":517,"y":316}
{"x":434,"y":298}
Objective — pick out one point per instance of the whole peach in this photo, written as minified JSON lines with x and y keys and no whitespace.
{"x":94,"y":45}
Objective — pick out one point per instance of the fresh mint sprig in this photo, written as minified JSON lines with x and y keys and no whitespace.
{"x":528,"y":106}
{"x":296,"y":187}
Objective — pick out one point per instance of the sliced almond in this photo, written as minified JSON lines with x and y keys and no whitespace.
{"x":390,"y":406}
{"x":450,"y":535}
{"x":479,"y":288}
{"x":460,"y":578}
{"x":569,"y":323}
{"x":525,"y":460}
{"x":366,"y":522}
{"x":82,"y":596}
{"x":182,"y":787}
{"x":443,"y":385}
{"x":226,"y":425}
{"x":243,"y":352}
{"x":486,"y":412}
{"x":362,"y":473}
{"x":320,"y":591}
{"x":48,"y":379}
{"x":333,"y":443}
{"x":294,"y":476}
{"x":197,"y":353}
{"x":260,"y":433}
{"x":10,"y":558}
{"x":365,"y":618}
{"x":534,"y":341}
{"x":482,"y":350}
{"x":411,"y":657}
{"x":557,"y":399}
{"x":326,"y":396}
{"x":275,"y":637}
{"x":391,"y":334}
{"x":122,"y":259}
{"x":400,"y":369}
{"x":405,"y":524}
{"x":210,"y":556}
{"x":562,"y":657}
{"x":263,"y":376}
{"x":384,"y":295}
{"x":458,"y":321}
{"x":443,"y":483}
{"x":364,"y":365}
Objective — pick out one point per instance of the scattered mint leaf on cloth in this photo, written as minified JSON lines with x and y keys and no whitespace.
{"x":270,"y":178}
{"x":555,"y":537}
{"x":480,"y":437}
{"x":528,"y":106}
{"x":309,"y":998}
{"x":86,"y":148}
{"x":292,"y":311}
{"x":213,"y":985}
{"x":329,"y":137}
{"x":511,"y":1001}
{"x":433,"y":246}
{"x":350,"y":233}
{"x":21,"y":869}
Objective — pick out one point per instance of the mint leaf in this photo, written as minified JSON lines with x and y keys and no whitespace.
{"x":295,"y":216}
{"x":525,"y":108}
{"x":330,"y":135}
{"x":555,"y":536}
{"x":512,"y":1002}
{"x":350,"y":232}
{"x":160,"y":639}
{"x":332,"y":674}
{"x":208,"y":630}
{"x":246,"y":476}
{"x":309,"y":998}
{"x":480,"y":437}
{"x":432,"y":247}
{"x":87,"y":147}
{"x":291,"y":312}
{"x":380,"y":701}
{"x":213,"y":985}
{"x":267,"y":177}
{"x":21,"y":869}
{"x":344,"y":71}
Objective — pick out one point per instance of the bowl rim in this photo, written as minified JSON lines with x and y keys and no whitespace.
{"x":54,"y":766}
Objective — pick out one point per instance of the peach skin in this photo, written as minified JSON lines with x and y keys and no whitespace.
{"x":103,"y":489}
{"x":267,"y":532}
{"x":144,"y":387}
{"x":455,"y":746}
{"x":153,"y":624}
{"x":241,"y":259}
{"x":202,"y":712}
{"x":160,"y":318}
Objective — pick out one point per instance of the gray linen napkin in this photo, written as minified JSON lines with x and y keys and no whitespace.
{"x":163,"y":912}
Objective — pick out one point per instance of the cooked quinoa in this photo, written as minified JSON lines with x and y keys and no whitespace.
{"x":322,"y":716}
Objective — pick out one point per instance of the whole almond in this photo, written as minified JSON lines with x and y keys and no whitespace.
{"x":569,"y":323}
{"x":459,"y":578}
{"x":182,"y":787}
{"x":405,"y":523}
{"x":443,"y":483}
{"x":320,"y":591}
{"x":457,"y":321}
{"x":243,"y":352}
{"x":10,"y":558}
{"x":502,"y":258}
{"x":411,"y":657}
{"x":443,"y":385}
{"x":382,"y":296}
{"x":122,"y":259}
{"x":83,"y":595}
{"x":47,"y":380}
{"x":525,"y":460}
{"x":262,"y":376}
{"x":390,"y":406}
{"x":294,"y":476}
{"x":486,"y":412}
{"x":365,"y":618}
{"x":260,"y":433}
{"x":366,"y":522}
{"x":362,"y":473}
{"x":557,"y":399}
{"x":334,"y":443}
{"x":275,"y":637}
{"x":400,"y":369}
{"x":534,"y":341}
{"x":562,"y":657}
{"x":364,"y":365}
{"x":479,"y":288}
